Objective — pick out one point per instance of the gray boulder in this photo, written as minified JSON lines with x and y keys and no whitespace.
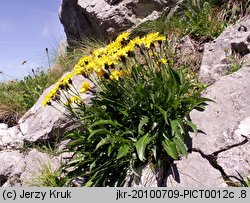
{"x":45,"y":122}
{"x":224,"y":125}
{"x":26,"y":169}
{"x":9,"y":160}
{"x":195,"y":171}
{"x":10,"y":138}
{"x":36,"y":164}
{"x":88,"y":18}
{"x":218,"y":55}
{"x":221,"y":118}
{"x":150,"y":176}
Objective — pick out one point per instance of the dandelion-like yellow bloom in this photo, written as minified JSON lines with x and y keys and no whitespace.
{"x":123,"y":36}
{"x":74,"y":99}
{"x":115,"y":75}
{"x":152,"y":38}
{"x":66,"y":79}
{"x":85,"y":87}
{"x":85,"y":60}
{"x":162,"y":60}
{"x":100,"y":73}
{"x":48,"y":97}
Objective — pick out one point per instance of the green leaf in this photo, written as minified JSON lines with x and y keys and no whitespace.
{"x":123,"y":151}
{"x":180,"y":145}
{"x":143,"y":122}
{"x":192,"y":126}
{"x":105,"y":122}
{"x":141,"y":145}
{"x":174,"y":127}
{"x":164,"y":113}
{"x":102,"y":142}
{"x":170,"y":148}
{"x":154,"y":151}
{"x":133,"y":169}
{"x":110,"y":149}
{"x":98,"y":132}
{"x":89,"y":183}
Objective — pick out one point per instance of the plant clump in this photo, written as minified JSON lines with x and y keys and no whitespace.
{"x":139,"y":113}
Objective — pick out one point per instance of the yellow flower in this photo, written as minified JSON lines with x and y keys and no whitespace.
{"x":113,"y":47}
{"x":152,"y":38}
{"x":99,"y":52}
{"x":115,"y":75}
{"x":162,"y":61}
{"x":123,"y":36}
{"x":100,"y":73}
{"x":74,"y":99}
{"x":84,"y":60}
{"x":85,"y":87}
{"x":65,"y":80}
{"x":136,"y":41}
{"x":50,"y":95}
{"x":78,"y":70}
{"x":160,"y":38}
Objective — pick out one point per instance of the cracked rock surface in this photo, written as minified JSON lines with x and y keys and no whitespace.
{"x":23,"y":169}
{"x":195,"y":171}
{"x":84,"y":18}
{"x":224,"y":125}
{"x":219,"y":54}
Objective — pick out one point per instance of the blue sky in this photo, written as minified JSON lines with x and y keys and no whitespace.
{"x":27,"y":28}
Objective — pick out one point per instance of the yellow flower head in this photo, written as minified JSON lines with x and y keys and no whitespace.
{"x":162,"y":61}
{"x":84,"y":60}
{"x":123,"y":36}
{"x":48,"y":97}
{"x":74,"y":99}
{"x":65,"y":80}
{"x":115,"y":75}
{"x":85,"y":87}
{"x":152,"y":38}
{"x":100,"y":73}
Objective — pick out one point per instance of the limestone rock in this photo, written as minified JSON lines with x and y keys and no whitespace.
{"x":216,"y":61}
{"x":9,"y":160}
{"x":36,"y":162}
{"x":44,"y":122}
{"x":11,"y":138}
{"x":220,"y":133}
{"x":82,"y":18}
{"x":195,"y":171}
{"x":221,"y":118}
{"x":40,"y":122}
{"x":149,"y":177}
{"x":25,"y":169}
{"x":236,"y":160}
